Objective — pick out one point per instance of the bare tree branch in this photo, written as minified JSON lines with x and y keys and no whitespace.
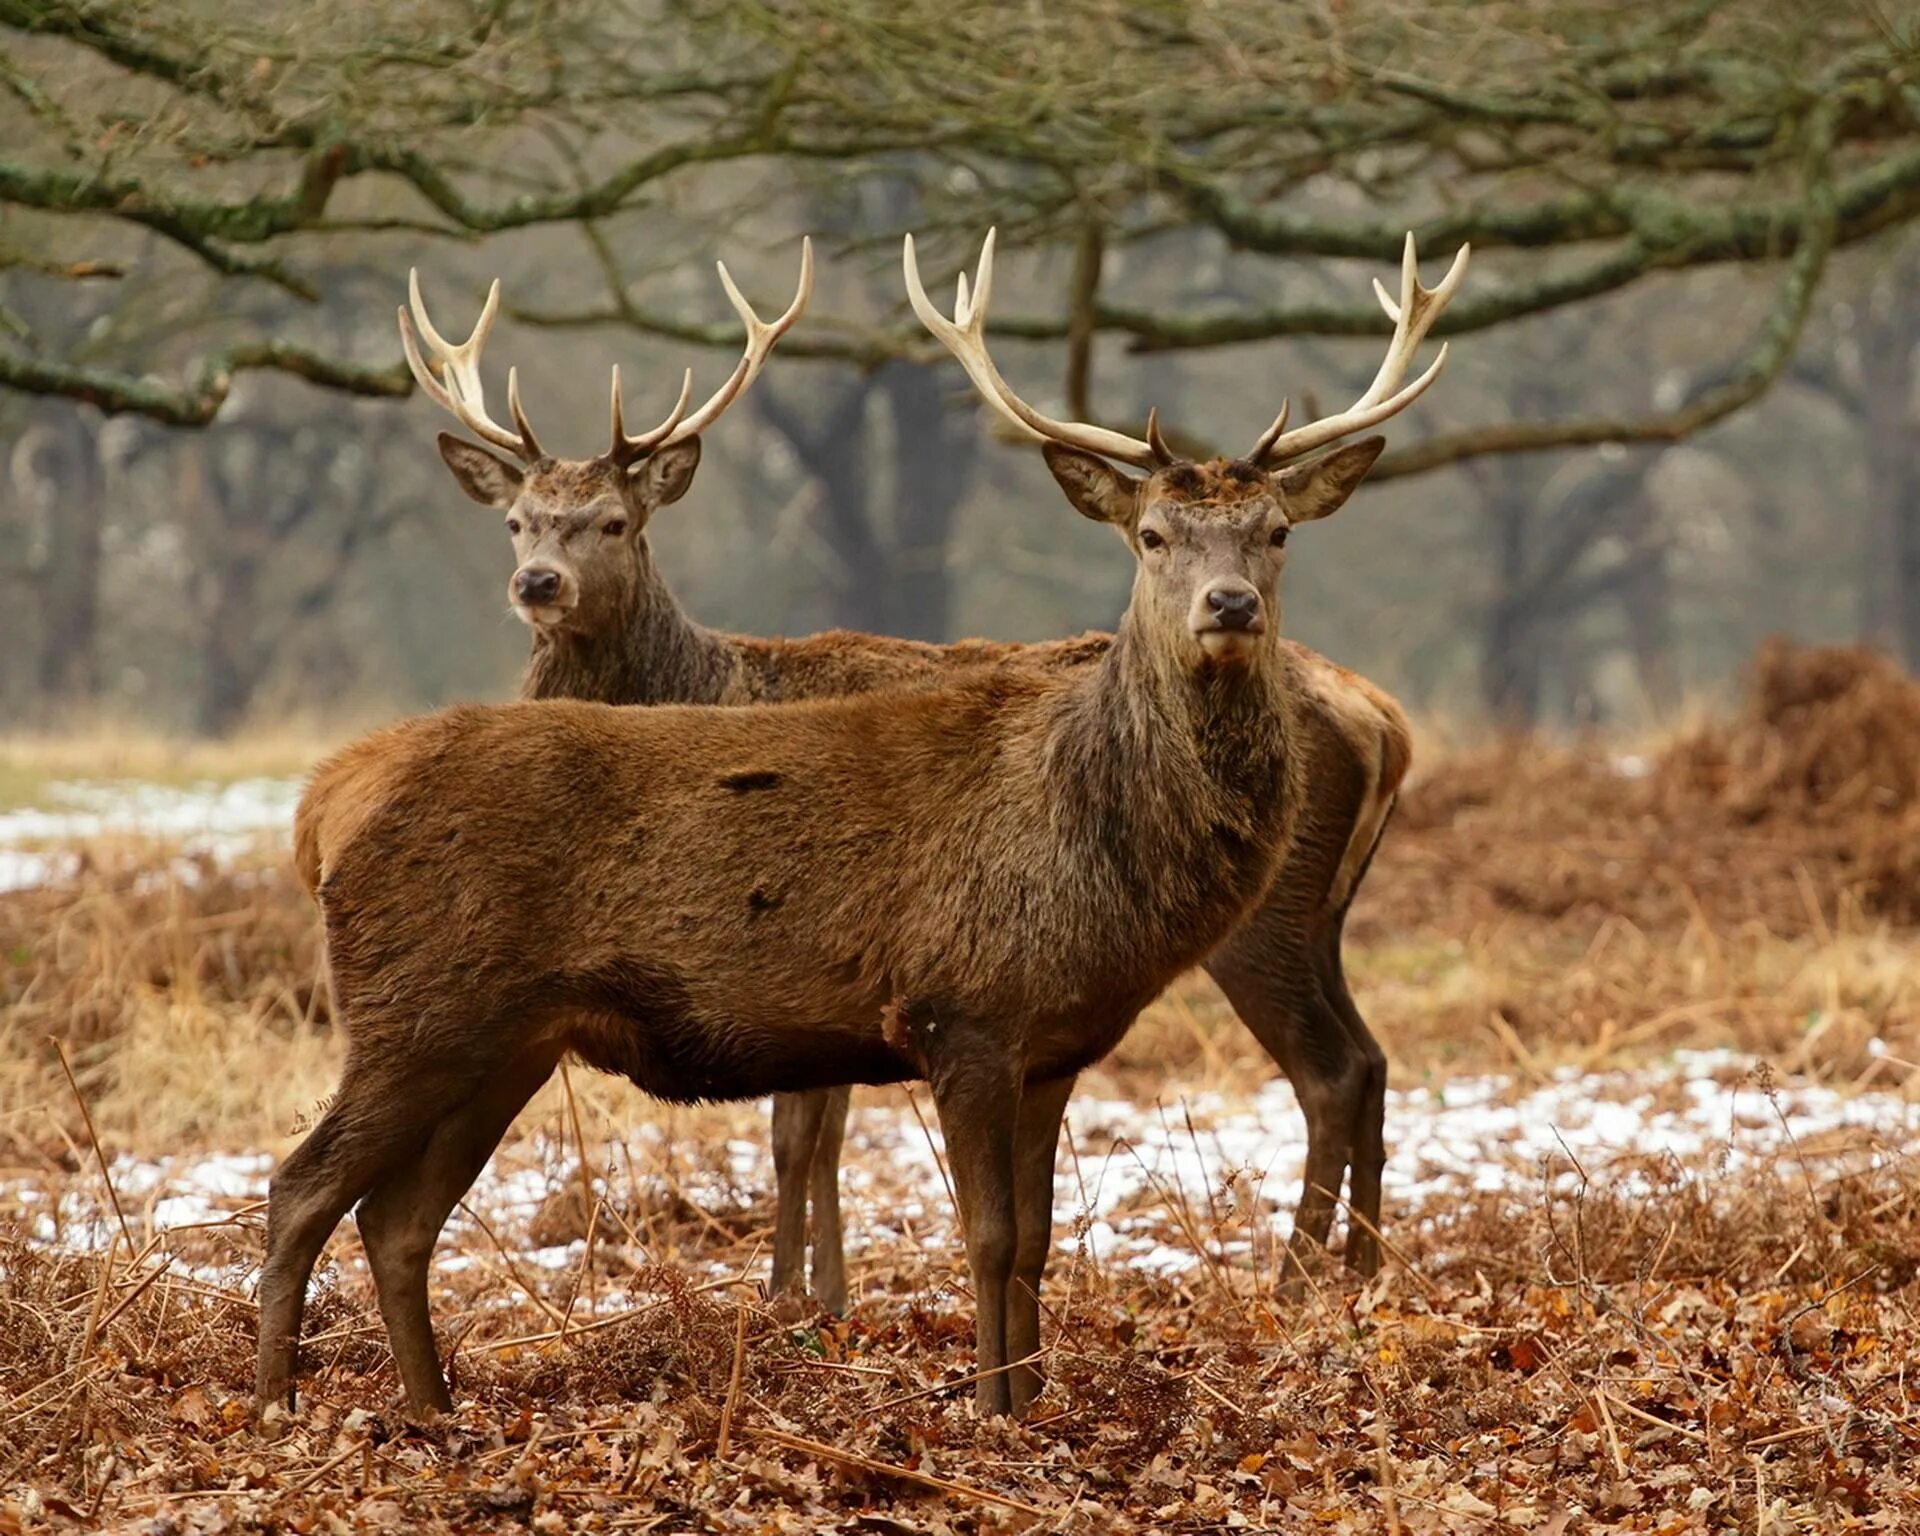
{"x":1750,"y":379}
{"x":197,"y":403}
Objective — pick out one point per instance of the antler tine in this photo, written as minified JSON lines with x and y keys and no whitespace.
{"x":1438,"y":295}
{"x":1412,"y":316}
{"x":1386,"y":396}
{"x":626,"y":449}
{"x":459,"y":389}
{"x":422,"y":374}
{"x":1272,"y":434}
{"x":961,"y":334}
{"x":965,"y":337}
{"x":530,"y":446}
{"x":1161,"y":452}
{"x":761,"y":338}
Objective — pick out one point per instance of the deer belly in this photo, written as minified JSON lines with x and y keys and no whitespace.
{"x":644,"y":1025}
{"x":1063,"y":1046}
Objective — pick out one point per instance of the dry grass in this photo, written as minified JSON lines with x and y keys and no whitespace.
{"x":105,"y":749}
{"x":1727,"y":1352}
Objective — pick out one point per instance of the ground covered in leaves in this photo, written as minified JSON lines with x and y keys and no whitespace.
{"x":1624,"y":1351}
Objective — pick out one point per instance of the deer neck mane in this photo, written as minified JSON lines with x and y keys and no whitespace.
{"x":1159,"y":763}
{"x":648,"y":652}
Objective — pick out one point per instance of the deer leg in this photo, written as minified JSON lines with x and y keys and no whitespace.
{"x":829,"y":1258}
{"x":377,"y":1117}
{"x":1369,"y":1151}
{"x":1267,"y":971}
{"x":1036,"y":1142}
{"x":401,"y":1218}
{"x":1369,"y":1147}
{"x":1329,"y":1085}
{"x":796,"y":1135}
{"x":976,"y":1090}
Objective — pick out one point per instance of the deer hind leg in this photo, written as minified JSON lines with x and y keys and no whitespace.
{"x":401,"y":1218}
{"x":829,"y":1255}
{"x":1036,"y":1143}
{"x":1369,"y":1148}
{"x":976,"y":1090}
{"x":797,"y":1119}
{"x":377,"y":1117}
{"x":1269,"y":972}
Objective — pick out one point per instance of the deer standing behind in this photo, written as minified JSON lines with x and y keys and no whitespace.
{"x":607,"y":627}
{"x":979,"y":884}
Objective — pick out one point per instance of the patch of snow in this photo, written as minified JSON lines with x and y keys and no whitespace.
{"x":207,"y":820}
{"x":20,"y":870}
{"x":1134,"y":1176}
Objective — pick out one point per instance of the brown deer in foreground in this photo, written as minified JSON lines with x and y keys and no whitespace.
{"x":979,"y":884}
{"x":606,"y":627}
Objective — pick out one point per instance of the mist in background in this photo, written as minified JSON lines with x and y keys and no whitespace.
{"x":305,"y":554}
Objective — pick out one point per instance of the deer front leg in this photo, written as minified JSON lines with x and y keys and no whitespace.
{"x":1036,"y":1143}
{"x":976,"y":1091}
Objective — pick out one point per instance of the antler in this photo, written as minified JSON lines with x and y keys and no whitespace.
{"x":462,"y":392}
{"x":457,"y":386}
{"x":965,"y":337}
{"x":761,"y":336}
{"x":1412,"y":317}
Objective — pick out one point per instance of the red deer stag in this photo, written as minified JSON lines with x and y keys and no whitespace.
{"x":979,"y":884}
{"x":609,"y":629}
{"x":605,"y":628}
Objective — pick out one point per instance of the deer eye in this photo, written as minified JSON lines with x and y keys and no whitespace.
{"x":1279,"y":536}
{"x":1149,"y":539}
{"x":614,"y":528}
{"x":513,"y":526}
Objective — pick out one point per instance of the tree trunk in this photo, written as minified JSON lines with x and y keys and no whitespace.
{"x":67,"y":670}
{"x":1903,"y":509}
{"x":1510,"y":663}
{"x":837,"y":452}
{"x":934,"y":461}
{"x":232,"y":543}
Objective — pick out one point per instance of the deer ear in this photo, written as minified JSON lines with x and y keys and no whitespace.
{"x":1096,"y":489}
{"x":662,"y":478}
{"x":486,"y":477}
{"x":1319,"y":487}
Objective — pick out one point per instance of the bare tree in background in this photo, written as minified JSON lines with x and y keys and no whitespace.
{"x":249,"y":497}
{"x":1635,"y":141}
{"x":1584,"y":150}
{"x":887,"y":537}
{"x":1873,"y":372}
{"x":54,"y":535}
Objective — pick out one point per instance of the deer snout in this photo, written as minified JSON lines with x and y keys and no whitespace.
{"x":1225,"y":618}
{"x":1235,"y":608}
{"x":1229,"y":606}
{"x":535,"y":586}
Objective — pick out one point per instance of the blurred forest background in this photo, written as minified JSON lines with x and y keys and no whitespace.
{"x":1682,"y":411}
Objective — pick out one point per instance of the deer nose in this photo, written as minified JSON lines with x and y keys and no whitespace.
{"x":536,"y":587}
{"x":1234,"y":608}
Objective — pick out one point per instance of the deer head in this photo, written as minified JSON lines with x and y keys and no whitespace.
{"x":1210,"y":538}
{"x":577,"y":525}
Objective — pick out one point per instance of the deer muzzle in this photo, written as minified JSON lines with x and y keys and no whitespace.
{"x":540,"y":594}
